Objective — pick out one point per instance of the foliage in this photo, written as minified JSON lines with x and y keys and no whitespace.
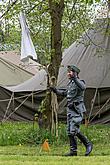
{"x":75,"y":21}
{"x":13,"y":134}
{"x":20,"y":143}
{"x":16,"y":133}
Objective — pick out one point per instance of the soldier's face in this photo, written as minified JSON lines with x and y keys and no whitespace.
{"x":70,"y":74}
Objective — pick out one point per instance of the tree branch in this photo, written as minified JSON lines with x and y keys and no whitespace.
{"x":13,"y":3}
{"x":87,"y":33}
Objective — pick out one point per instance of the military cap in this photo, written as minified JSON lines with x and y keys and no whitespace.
{"x":73,"y":68}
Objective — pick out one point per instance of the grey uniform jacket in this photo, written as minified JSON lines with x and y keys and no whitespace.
{"x":75,"y":94}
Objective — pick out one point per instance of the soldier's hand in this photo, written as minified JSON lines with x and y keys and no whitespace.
{"x":53,"y":89}
{"x":74,"y":74}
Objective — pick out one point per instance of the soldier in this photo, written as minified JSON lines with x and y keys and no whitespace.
{"x":75,"y":109}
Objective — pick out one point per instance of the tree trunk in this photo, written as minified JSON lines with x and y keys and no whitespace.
{"x":56,"y":12}
{"x":1,"y":33}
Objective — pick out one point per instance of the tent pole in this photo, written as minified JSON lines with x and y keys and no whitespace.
{"x":8,"y":106}
{"x":101,"y":108}
{"x":99,"y":101}
{"x":17,"y":108}
{"x":13,"y":102}
{"x":32,"y":100}
{"x":92,"y":104}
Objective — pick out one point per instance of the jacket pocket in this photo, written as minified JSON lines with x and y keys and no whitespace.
{"x":79,"y":107}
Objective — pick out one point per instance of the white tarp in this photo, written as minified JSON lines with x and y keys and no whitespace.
{"x":27,"y":47}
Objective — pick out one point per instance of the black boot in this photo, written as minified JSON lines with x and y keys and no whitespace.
{"x":86,"y":142}
{"x":73,"y":146}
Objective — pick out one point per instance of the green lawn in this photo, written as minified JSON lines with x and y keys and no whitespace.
{"x":30,"y":155}
{"x":53,"y":160}
{"x":20,"y":144}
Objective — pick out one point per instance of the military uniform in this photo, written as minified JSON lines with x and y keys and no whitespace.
{"x":75,"y":104}
{"x":75,"y":109}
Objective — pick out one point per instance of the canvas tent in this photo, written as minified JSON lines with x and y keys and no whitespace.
{"x":21,"y":102}
{"x":13,"y":71}
{"x":92,"y":55}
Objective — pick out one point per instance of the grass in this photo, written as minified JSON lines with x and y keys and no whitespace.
{"x":49,"y":160}
{"x":27,"y":155}
{"x":20,"y":143}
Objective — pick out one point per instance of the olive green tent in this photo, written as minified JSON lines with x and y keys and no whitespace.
{"x":13,"y":71}
{"x":92,"y":55}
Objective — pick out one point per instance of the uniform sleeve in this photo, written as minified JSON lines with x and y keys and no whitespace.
{"x":62,"y":92}
{"x":80,"y":83}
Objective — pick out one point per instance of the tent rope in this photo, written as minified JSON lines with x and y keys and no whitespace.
{"x":54,"y":105}
{"x":8,"y":106}
{"x":15,"y":98}
{"x":12,"y":98}
{"x":92,"y":104}
{"x":100,"y":109}
{"x":97,"y":88}
{"x":16,"y":109}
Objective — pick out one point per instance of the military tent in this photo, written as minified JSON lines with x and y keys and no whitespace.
{"x":21,"y":102}
{"x":92,"y":55}
{"x":13,"y":71}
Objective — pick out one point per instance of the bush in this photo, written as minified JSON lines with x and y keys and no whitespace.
{"x":15,"y":133}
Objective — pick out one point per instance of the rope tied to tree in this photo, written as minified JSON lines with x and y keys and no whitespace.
{"x":54,"y":106}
